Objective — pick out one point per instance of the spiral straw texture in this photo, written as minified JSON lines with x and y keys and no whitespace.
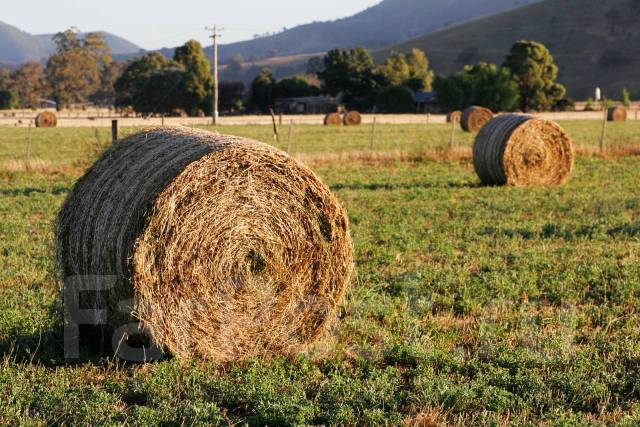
{"x":229,"y":247}
{"x":520,"y":150}
{"x":474,"y":118}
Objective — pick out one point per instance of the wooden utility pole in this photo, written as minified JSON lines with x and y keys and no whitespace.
{"x":214,"y":107}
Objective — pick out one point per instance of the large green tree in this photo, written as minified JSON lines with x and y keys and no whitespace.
{"x":410,"y":70}
{"x":483,"y":84}
{"x":533,"y":68}
{"x":196,"y":85}
{"x":129,"y":85}
{"x":74,"y":72}
{"x":352,"y":73}
{"x":294,"y":87}
{"x":8,"y":97}
{"x":29,"y":84}
{"x":262,"y":90}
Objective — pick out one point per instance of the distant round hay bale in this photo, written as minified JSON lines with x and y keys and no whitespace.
{"x":454,"y":115}
{"x":46,"y":119}
{"x":617,"y":114}
{"x":520,"y":150}
{"x":352,"y":118}
{"x":229,"y":247}
{"x":474,"y":118}
{"x":333,"y":119}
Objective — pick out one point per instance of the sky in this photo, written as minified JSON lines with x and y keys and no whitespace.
{"x":162,"y":23}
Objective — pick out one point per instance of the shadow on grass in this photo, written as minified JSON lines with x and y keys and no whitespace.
{"x":47,"y":346}
{"x":403,"y":186}
{"x":28,"y":191}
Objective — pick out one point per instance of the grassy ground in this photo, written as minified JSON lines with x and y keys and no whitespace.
{"x":471,"y":305}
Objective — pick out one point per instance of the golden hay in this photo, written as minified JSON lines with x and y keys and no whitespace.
{"x":520,"y":150}
{"x":352,"y":118}
{"x":46,"y":119}
{"x":474,"y":118}
{"x":457,"y":115}
{"x":230,"y":248}
{"x":332,"y":119}
{"x":617,"y":114}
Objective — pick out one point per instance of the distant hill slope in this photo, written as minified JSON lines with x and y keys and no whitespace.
{"x":595,"y":43}
{"x":17,"y":46}
{"x":388,"y":22}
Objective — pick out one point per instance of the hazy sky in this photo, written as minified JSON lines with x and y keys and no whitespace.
{"x":154,"y":24}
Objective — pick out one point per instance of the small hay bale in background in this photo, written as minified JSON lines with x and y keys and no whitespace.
{"x":229,"y":247}
{"x":521,"y":150}
{"x":46,"y":119}
{"x":617,"y":114}
{"x":457,"y":115}
{"x":474,"y":118}
{"x":333,"y":119}
{"x":352,"y":118}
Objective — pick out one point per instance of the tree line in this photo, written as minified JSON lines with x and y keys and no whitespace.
{"x":82,"y":70}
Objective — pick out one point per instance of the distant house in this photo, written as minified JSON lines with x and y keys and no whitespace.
{"x":426,"y":102}
{"x":306,"y":105}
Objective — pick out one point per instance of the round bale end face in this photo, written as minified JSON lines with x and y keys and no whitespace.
{"x":230,"y":248}
{"x":474,"y":118}
{"x":520,"y":151}
{"x":333,"y":119}
{"x":46,"y":119}
{"x":352,"y":118}
{"x":617,"y":114}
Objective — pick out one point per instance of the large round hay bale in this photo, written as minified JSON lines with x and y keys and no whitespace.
{"x":454,"y":115}
{"x":46,"y":119}
{"x":617,"y":114}
{"x":520,"y":150}
{"x":474,"y":118}
{"x":229,"y":247}
{"x":333,"y":119}
{"x":352,"y":118}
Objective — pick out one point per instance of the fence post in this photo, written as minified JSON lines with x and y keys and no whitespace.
{"x":452,"y":142}
{"x":276,"y":134}
{"x":114,"y":131}
{"x":603,"y":136}
{"x":373,"y":134}
{"x":289,"y":137}
{"x":29,"y":146}
{"x":280,"y":119}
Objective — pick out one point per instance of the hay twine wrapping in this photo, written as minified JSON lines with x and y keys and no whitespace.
{"x":457,"y":115}
{"x":231,"y":248}
{"x":617,"y":114}
{"x":520,"y":150}
{"x":352,"y":118}
{"x":46,"y":119}
{"x":333,"y":119}
{"x":474,"y":118}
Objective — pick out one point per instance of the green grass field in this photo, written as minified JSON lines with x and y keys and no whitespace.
{"x":471,"y":305}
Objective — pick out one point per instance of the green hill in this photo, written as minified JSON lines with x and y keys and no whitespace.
{"x":17,"y":46}
{"x":390,"y":21}
{"x":595,"y":43}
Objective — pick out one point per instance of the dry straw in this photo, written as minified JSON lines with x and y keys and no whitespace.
{"x":230,"y":248}
{"x":352,"y":118}
{"x":454,"y":115}
{"x":474,"y":118}
{"x":333,"y":119}
{"x":520,"y":150}
{"x":46,"y":119}
{"x":617,"y":114}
